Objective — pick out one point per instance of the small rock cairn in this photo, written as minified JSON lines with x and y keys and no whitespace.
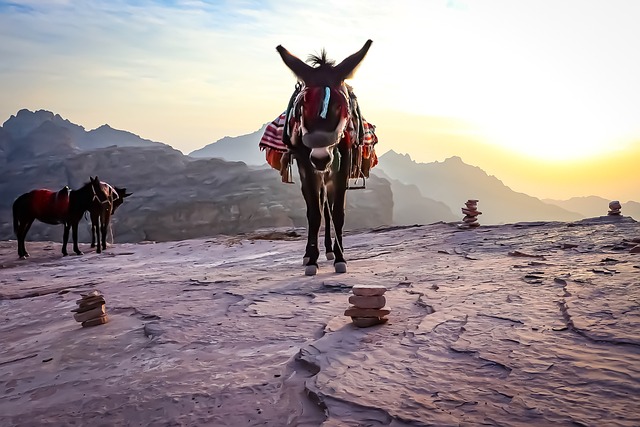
{"x":367,"y":307}
{"x":91,"y":310}
{"x":614,"y":208}
{"x":471,"y":213}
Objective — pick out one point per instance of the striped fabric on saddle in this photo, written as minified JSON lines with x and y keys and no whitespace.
{"x":359,"y":133}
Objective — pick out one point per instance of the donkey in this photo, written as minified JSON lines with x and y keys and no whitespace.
{"x":315,"y":134}
{"x":100,"y":214}
{"x":63,"y":207}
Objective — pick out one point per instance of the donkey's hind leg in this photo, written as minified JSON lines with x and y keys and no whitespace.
{"x":94,"y":234}
{"x":23,"y":229}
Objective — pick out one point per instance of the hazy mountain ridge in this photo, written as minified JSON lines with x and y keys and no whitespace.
{"x":175,"y":196}
{"x":409,"y":207}
{"x":175,"y":189}
{"x":450,"y":182}
{"x":242,"y":148}
{"x":25,"y":130}
{"x":453,"y":182}
{"x":592,"y":206}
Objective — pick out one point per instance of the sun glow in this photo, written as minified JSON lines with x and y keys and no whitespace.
{"x":555,"y":94}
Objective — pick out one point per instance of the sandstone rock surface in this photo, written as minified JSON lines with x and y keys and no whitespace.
{"x":228,"y":331}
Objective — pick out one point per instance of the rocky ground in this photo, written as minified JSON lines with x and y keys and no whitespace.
{"x":525,"y":324}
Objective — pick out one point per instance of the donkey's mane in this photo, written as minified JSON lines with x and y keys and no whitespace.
{"x":321,"y":60}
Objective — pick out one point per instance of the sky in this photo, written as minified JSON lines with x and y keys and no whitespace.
{"x":543,"y":94}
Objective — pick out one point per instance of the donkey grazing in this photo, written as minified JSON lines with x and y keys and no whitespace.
{"x":63,"y":207}
{"x":316,"y":136}
{"x":100,"y":214}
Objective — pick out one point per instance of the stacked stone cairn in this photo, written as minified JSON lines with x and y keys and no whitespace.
{"x":471,"y":213}
{"x":614,"y":208}
{"x":91,"y":310}
{"x":367,"y":307}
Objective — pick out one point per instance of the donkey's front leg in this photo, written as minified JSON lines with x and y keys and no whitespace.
{"x":74,"y":232}
{"x":340,"y":264}
{"x":327,"y":231}
{"x":103,"y":230}
{"x":338,"y":207}
{"x":314,"y":217}
{"x":311,"y":252}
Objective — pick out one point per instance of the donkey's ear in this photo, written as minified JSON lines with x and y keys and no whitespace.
{"x":349,"y":65}
{"x":299,"y":68}
{"x":127,"y":195}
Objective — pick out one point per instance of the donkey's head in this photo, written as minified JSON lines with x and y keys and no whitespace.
{"x":323,"y":102}
{"x":97,"y":189}
{"x":121,"y":193}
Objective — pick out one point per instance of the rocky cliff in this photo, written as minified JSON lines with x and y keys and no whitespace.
{"x":176,"y":197}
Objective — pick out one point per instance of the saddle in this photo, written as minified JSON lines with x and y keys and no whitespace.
{"x":60,"y":202}
{"x":359,"y":134}
{"x":50,"y":206}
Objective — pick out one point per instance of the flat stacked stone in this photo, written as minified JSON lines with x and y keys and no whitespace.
{"x":91,"y":310}
{"x":614,"y":208}
{"x":367,"y":307}
{"x":471,"y":213}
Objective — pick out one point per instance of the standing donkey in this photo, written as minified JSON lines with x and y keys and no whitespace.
{"x":62,"y":207}
{"x":316,"y":136}
{"x":100,"y":214}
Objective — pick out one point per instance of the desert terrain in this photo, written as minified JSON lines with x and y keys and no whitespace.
{"x":512,"y":325}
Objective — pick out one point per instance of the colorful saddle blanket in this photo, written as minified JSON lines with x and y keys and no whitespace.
{"x":51,"y":207}
{"x":359,"y":134}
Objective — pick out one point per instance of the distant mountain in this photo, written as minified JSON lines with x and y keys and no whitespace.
{"x":593,"y":206}
{"x":454,"y":182}
{"x":411,"y":207}
{"x":243,"y":148}
{"x":174,"y":196}
{"x":106,"y":136}
{"x":45,"y":140}
{"x":25,"y":122}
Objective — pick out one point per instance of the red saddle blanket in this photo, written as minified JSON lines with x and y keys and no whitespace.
{"x":273,"y":146}
{"x":51,"y":206}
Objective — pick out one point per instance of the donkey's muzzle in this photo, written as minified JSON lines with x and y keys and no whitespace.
{"x":320,"y":139}
{"x":321,"y":158}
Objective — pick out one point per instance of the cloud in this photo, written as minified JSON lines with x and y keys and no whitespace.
{"x":529,"y":64}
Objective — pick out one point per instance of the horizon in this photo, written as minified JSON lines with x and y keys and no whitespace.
{"x":380,"y":153}
{"x":541,"y":95}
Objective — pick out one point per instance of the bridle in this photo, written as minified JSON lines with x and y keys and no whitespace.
{"x":296,"y":128}
{"x":96,"y":197}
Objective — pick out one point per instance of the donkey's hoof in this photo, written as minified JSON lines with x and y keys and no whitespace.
{"x":23,"y":257}
{"x":79,"y":253}
{"x":65,"y":254}
{"x":330,"y":256}
{"x":93,"y":245}
{"x":305,"y":260}
{"x":310,"y":270}
{"x":341,"y":267}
